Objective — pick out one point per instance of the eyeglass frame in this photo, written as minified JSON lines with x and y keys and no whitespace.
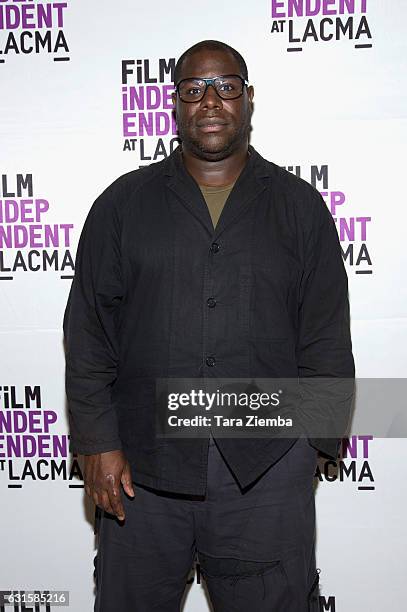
{"x":208,"y":82}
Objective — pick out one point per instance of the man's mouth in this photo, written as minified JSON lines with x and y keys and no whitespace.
{"x":212,"y":125}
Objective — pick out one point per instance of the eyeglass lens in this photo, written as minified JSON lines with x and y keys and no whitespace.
{"x":192,"y":90}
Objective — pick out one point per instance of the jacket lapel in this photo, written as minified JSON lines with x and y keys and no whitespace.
{"x":186,"y":189}
{"x":247,"y":188}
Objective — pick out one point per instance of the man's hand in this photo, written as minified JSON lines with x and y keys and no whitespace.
{"x":103,"y":474}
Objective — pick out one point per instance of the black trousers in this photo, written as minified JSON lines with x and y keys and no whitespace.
{"x":256,"y":547}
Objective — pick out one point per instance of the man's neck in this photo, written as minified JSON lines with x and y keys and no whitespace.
{"x":216,"y":173}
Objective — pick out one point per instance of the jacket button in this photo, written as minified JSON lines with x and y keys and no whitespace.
{"x":215,"y":247}
{"x":210,"y":361}
{"x":211,"y":302}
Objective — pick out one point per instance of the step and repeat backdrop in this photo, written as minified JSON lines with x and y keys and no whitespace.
{"x":85,"y":97}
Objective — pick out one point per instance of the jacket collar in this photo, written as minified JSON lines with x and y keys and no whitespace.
{"x":248,"y":186}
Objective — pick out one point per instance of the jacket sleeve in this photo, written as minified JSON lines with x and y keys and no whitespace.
{"x":90,"y":332}
{"x":326,"y":366}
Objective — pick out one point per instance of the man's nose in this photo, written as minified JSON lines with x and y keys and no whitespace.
{"x":211,"y":98}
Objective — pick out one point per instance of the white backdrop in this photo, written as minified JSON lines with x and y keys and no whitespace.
{"x":334,"y":109}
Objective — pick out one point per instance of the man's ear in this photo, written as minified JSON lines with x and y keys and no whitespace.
{"x":174,"y":98}
{"x":250,"y":95}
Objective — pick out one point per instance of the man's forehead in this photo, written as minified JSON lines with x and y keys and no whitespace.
{"x":208,"y":63}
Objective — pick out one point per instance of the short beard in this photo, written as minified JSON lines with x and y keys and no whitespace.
{"x":197,"y":148}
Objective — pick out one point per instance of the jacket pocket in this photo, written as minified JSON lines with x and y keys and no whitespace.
{"x":272,"y":357}
{"x":272,"y":294}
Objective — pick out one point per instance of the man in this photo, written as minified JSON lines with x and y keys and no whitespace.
{"x":211,"y":263}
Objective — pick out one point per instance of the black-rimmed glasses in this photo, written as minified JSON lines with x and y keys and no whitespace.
{"x":227,"y":87}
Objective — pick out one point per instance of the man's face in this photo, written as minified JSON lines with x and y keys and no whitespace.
{"x":213,"y":143}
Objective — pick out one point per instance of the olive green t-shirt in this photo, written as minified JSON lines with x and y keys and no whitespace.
{"x":215,"y":198}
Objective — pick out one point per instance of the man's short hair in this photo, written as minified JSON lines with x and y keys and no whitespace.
{"x":212,"y":45}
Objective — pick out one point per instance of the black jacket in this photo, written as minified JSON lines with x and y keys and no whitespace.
{"x":149,"y":259}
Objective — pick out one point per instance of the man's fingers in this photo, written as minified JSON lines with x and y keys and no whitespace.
{"x":95,"y":498}
{"x":126,"y":480}
{"x":103,"y":474}
{"x":113,"y":492}
{"x":106,"y":502}
{"x":102,"y":499}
